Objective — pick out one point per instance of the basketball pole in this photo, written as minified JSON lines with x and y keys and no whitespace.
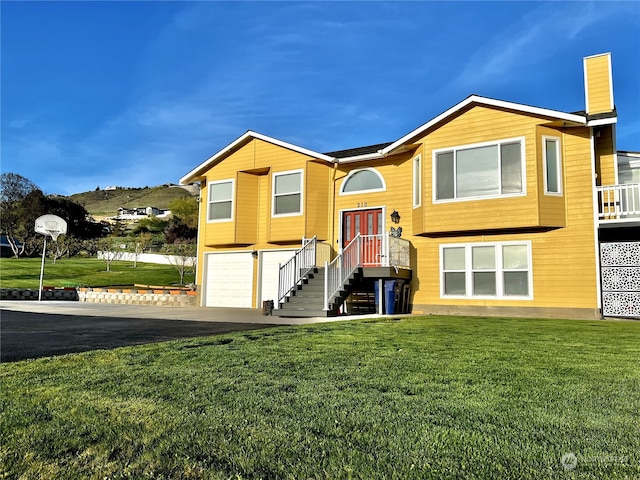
{"x":44,"y":249}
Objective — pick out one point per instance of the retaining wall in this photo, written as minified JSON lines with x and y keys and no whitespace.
{"x":159,"y":298}
{"x":155,"y":297}
{"x":68,"y":294}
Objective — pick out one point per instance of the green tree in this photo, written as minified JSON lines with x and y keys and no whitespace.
{"x":178,"y":232}
{"x":14,"y":188}
{"x":24,"y":213}
{"x":185,"y":209}
{"x":149,"y":225}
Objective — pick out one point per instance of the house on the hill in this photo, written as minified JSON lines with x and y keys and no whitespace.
{"x":141,"y":212}
{"x":490,"y":208}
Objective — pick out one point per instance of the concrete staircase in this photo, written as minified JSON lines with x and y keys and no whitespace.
{"x":307,"y":299}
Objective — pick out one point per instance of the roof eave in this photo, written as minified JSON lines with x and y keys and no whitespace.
{"x":569,"y":117}
{"x":602,"y":121}
{"x":197,"y":172}
{"x":361,"y":158}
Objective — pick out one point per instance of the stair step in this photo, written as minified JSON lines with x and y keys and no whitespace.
{"x":306,"y":293}
{"x":307,"y":299}
{"x":311,"y":288}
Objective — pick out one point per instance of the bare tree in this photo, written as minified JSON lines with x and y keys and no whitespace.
{"x":59,"y":248}
{"x":110,"y":249}
{"x":182,"y":256}
{"x":140,"y":244}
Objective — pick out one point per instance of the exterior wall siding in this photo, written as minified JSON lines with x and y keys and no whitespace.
{"x":318,"y":200}
{"x":605,"y":151}
{"x":552,"y":207}
{"x":418,"y":213}
{"x":397,"y":174}
{"x":247,"y":208}
{"x":478,"y":125}
{"x":598,"y":84}
{"x":253,"y":227}
{"x":560,"y":281}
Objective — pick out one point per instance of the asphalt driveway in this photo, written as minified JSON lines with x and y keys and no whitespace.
{"x":28,"y":334}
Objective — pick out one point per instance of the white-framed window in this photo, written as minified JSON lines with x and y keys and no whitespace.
{"x":417,"y":181}
{"x":552,"y":164}
{"x":482,"y":170}
{"x":486,"y":270}
{"x":363,"y":180}
{"x":220,"y":201}
{"x":287,"y":193}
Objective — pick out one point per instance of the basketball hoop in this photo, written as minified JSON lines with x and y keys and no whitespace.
{"x":49,"y":226}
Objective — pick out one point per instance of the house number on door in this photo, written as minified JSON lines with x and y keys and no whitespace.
{"x":362,"y":204}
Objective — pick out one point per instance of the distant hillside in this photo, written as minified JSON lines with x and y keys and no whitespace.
{"x":102,"y":203}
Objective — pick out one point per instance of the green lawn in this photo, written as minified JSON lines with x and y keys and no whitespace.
{"x":430,"y":397}
{"x":89,"y":272}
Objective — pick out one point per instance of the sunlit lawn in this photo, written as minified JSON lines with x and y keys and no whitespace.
{"x":79,"y":271}
{"x":432,"y":397}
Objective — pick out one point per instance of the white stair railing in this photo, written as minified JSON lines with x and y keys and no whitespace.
{"x":337,"y":271}
{"x":381,"y":250}
{"x":292,"y":272}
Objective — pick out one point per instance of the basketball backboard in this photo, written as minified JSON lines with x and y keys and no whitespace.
{"x":51,"y":225}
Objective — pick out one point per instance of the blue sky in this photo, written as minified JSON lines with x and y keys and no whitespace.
{"x":139,"y":93}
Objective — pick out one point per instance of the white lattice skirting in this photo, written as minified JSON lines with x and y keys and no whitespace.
{"x":621,"y":304}
{"x":620,"y":253}
{"x":620,"y":279}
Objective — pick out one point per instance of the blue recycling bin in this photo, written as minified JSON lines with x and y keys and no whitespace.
{"x":389,"y":295}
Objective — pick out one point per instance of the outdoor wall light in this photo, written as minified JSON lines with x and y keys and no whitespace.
{"x":395,"y":217}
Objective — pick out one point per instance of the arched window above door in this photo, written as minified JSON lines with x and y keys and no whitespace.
{"x":363,"y":180}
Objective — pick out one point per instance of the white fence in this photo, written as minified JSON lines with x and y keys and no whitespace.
{"x":151,"y":258}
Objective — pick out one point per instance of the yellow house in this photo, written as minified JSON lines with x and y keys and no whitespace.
{"x":491,"y":208}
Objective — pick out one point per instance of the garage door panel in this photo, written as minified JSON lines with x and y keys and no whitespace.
{"x":229,"y":280}
{"x":269,"y":270}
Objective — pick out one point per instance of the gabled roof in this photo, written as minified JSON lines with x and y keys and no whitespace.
{"x":491,"y":102}
{"x":244,"y":139}
{"x":393,"y":147}
{"x":381,"y":150}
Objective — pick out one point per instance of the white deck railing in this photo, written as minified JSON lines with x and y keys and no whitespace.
{"x":364,"y":251}
{"x":619,"y":202}
{"x":292,"y":272}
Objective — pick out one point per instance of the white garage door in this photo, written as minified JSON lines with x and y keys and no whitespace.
{"x":229,"y":279}
{"x":269,"y":261}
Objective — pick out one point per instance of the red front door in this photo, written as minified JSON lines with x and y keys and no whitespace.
{"x":367,"y":223}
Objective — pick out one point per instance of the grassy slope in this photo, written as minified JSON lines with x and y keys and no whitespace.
{"x":418,"y":398}
{"x":107,"y":202}
{"x":77,"y":271}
